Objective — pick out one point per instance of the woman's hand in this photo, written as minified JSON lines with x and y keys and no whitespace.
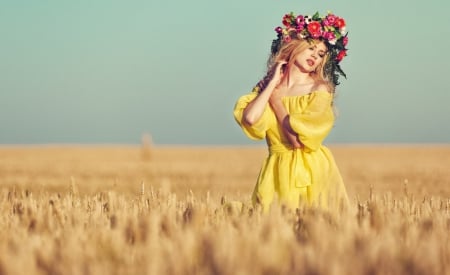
{"x":277,"y":79}
{"x":273,"y":76}
{"x":277,"y":72}
{"x":278,"y":68}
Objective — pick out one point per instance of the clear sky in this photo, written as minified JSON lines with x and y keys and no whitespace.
{"x":94,"y":71}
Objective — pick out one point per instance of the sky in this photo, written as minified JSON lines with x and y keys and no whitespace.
{"x":108,"y":72}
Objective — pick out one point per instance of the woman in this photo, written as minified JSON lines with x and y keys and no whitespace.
{"x":292,"y":109}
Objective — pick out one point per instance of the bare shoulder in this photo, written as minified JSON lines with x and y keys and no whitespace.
{"x":322,"y":85}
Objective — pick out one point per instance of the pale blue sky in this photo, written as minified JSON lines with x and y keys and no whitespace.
{"x":109,"y":71}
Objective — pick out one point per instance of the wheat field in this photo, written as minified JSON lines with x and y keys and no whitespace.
{"x":185,"y":210}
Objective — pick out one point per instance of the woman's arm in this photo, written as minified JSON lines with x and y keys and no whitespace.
{"x":283,"y":119}
{"x":255,"y":109}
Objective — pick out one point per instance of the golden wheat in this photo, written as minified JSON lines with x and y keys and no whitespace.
{"x":109,"y":210}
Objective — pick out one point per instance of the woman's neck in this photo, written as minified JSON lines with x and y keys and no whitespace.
{"x":297,"y":77}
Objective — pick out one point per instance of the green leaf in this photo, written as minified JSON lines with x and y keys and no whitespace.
{"x":316,"y":16}
{"x":340,"y":71}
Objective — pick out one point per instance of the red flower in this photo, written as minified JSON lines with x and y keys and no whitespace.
{"x":287,"y":19}
{"x":340,"y":23}
{"x":314,"y":28}
{"x":341,"y":55}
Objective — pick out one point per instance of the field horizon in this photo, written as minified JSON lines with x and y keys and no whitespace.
{"x":385,"y":168}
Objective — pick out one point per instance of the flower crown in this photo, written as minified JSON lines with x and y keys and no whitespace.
{"x":329,"y":28}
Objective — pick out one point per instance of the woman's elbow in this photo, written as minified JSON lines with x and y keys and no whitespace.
{"x":250,"y":119}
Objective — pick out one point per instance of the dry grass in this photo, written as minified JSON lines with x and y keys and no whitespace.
{"x":115,"y":210}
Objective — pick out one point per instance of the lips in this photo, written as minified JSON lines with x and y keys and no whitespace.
{"x":310,"y":62}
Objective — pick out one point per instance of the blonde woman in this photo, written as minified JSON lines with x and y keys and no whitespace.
{"x":292,"y":109}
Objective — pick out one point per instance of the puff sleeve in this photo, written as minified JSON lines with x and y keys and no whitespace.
{"x":315,"y":121}
{"x":257,"y":130}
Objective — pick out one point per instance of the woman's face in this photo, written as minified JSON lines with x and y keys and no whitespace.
{"x":308,"y":60}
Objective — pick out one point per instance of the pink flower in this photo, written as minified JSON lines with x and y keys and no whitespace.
{"x":278,"y":29}
{"x":331,"y":19}
{"x":299,"y":20}
{"x":287,"y":39}
{"x":345,"y":41}
{"x":300,"y":28}
{"x":329,"y":36}
{"x":314,"y":28}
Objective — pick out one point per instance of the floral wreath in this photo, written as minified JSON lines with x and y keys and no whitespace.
{"x":329,"y":28}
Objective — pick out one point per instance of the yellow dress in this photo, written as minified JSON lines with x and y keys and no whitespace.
{"x":307,"y":176}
